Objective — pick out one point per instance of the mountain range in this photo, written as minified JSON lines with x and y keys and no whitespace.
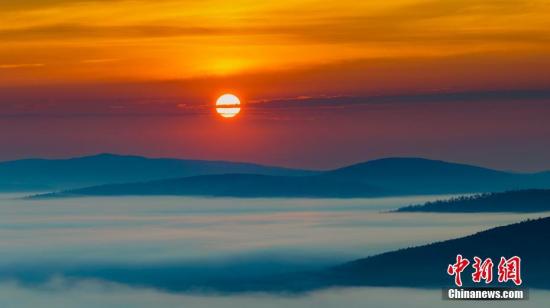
{"x":518,"y":201}
{"x":425,"y":266}
{"x":58,"y":174}
{"x":382,"y":177}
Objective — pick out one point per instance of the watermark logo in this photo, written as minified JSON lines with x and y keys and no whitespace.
{"x":508,"y":270}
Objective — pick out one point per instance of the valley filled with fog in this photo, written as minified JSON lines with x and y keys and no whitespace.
{"x":64,"y":247}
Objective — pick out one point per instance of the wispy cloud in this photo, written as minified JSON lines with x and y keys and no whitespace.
{"x":168,"y":39}
{"x":423,"y":21}
{"x":95,"y":61}
{"x":22,"y":65}
{"x":7,"y":5}
{"x":341,"y":101}
{"x":355,"y":29}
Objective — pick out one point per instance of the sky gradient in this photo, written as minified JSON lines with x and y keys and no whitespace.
{"x":323,"y":83}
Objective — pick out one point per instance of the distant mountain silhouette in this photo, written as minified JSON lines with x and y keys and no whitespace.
{"x":384,"y":177}
{"x":233,"y":185}
{"x":425,"y":266}
{"x":520,"y":201}
{"x":424,"y":176}
{"x":48,"y":174}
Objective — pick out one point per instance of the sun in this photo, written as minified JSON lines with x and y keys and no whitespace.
{"x":228,"y":105}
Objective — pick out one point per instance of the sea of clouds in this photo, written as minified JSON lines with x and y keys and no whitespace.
{"x":138,"y":252}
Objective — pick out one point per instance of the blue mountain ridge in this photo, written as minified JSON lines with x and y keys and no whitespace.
{"x":383,"y":177}
{"x":57,"y":174}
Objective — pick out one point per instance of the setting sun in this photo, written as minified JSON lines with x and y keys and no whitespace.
{"x":228,"y":105}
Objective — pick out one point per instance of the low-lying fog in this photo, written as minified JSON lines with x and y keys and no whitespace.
{"x":88,"y":294}
{"x":41,"y":240}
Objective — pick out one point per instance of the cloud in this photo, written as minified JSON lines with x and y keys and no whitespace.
{"x":354,"y":29}
{"x":96,"y":61}
{"x":311,"y":105}
{"x":8,"y":5}
{"x":174,"y":39}
{"x":448,"y":22}
{"x":184,"y":244}
{"x":22,"y":65}
{"x":328,"y":101}
{"x":81,"y":31}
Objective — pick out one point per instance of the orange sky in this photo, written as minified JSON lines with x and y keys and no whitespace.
{"x":323,"y":83}
{"x":62,"y":41}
